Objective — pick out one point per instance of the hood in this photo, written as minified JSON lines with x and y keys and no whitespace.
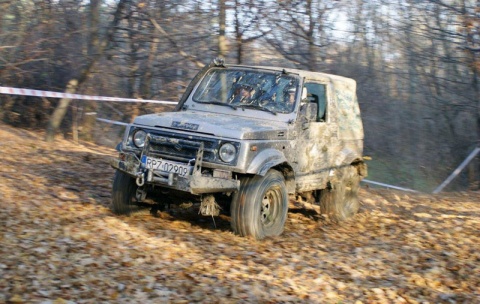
{"x":226,"y":126}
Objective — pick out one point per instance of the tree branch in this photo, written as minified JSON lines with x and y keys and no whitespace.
{"x":191,"y":58}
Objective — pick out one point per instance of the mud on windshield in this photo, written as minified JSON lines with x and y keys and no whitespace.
{"x":276,"y":92}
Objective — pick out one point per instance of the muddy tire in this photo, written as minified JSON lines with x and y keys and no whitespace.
{"x":340,"y":201}
{"x":260,"y":207}
{"x":123,"y":194}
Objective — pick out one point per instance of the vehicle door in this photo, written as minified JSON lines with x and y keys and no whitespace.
{"x":317,"y":140}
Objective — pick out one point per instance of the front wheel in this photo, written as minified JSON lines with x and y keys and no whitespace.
{"x":123,"y":193}
{"x":340,"y":201}
{"x":260,"y":207}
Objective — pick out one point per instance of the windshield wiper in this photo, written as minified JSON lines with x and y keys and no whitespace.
{"x":257,"y":107}
{"x":218,"y":103}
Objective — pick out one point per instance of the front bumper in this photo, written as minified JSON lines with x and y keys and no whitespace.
{"x":196,"y":183}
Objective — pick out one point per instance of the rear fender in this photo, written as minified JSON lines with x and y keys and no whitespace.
{"x":347,"y":156}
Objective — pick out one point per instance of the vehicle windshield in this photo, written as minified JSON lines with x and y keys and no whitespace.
{"x":275,"y":92}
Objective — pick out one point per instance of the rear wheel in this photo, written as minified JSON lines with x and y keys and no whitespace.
{"x":340,"y":201}
{"x":260,"y":207}
{"x":123,"y":194}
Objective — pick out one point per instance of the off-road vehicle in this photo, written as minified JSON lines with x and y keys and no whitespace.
{"x":248,"y":137}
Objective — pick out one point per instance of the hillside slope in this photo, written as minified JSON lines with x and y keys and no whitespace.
{"x":60,"y":243}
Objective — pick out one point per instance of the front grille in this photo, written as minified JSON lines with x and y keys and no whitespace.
{"x":181,"y":147}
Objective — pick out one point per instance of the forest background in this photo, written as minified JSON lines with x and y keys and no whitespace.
{"x":416,"y":63}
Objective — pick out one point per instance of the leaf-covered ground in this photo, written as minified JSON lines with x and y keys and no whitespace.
{"x":61,"y":244}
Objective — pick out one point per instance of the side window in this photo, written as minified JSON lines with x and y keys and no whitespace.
{"x":317,"y":93}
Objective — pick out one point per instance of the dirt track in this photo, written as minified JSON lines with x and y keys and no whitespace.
{"x":61,"y":244}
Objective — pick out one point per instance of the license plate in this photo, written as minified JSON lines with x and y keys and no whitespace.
{"x":166,"y":165}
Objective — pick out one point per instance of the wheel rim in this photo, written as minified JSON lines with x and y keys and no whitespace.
{"x":270,"y":206}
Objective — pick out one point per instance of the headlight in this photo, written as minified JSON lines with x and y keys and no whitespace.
{"x":227,"y":152}
{"x":139,"y":138}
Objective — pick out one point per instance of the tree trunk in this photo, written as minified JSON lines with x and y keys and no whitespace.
{"x":222,"y":40}
{"x":238,"y":34}
{"x":312,"y":49}
{"x":60,"y":111}
{"x":88,"y":121}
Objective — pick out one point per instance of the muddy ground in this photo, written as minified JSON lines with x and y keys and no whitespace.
{"x":60,"y":243}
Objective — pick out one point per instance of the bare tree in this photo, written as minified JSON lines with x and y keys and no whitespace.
{"x":300,"y":33}
{"x":84,"y":74}
{"x":247,"y":15}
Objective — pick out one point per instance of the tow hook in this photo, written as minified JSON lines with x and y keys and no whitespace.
{"x":140,"y":180}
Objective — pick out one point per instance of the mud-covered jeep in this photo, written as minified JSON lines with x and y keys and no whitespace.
{"x":248,"y":137}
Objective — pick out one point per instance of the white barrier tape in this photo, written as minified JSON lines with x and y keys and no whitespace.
{"x":38,"y":93}
{"x":113,"y":122}
{"x":389,"y":186}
